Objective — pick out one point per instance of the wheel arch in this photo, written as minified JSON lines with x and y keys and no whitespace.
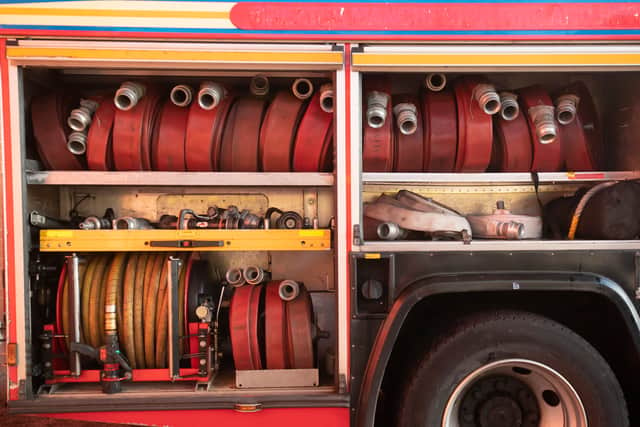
{"x":471,"y":284}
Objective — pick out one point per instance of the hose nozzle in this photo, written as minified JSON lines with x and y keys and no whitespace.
{"x":326,"y":97}
{"x":77,"y":143}
{"x":543,"y":121}
{"x":128,"y":95}
{"x":234,"y":277}
{"x":566,"y":108}
{"x":288,"y":290}
{"x":487,"y":98}
{"x":391,"y":231}
{"x":210,"y":95}
{"x":406,"y":117}
{"x":377,"y":103}
{"x":509,"y":109}
{"x":131,"y":223}
{"x":302,"y":88}
{"x":435,"y":82}
{"x":80,"y":118}
{"x":259,"y":85}
{"x":254,"y":275}
{"x":181,"y":95}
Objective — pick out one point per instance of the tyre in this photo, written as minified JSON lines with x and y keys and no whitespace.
{"x":512,"y":369}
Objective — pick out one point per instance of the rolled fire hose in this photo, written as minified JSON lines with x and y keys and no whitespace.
{"x":315,"y":133}
{"x":440,"y":123}
{"x":388,"y":209}
{"x":475,"y":127}
{"x":378,"y":144}
{"x":278,"y":132}
{"x":581,"y":133}
{"x":240,"y":143}
{"x":547,"y":149}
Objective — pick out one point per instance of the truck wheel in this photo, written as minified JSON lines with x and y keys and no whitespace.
{"x":512,"y":369}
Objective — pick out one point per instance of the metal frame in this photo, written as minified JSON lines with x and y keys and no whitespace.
{"x":343,"y":218}
{"x":494,"y":58}
{"x":207,"y":57}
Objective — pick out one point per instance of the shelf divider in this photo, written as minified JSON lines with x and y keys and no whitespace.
{"x":495,"y":177}
{"x":190,"y":179}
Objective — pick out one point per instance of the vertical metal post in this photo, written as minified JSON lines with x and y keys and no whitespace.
{"x":174,"y":330}
{"x":73,"y":266}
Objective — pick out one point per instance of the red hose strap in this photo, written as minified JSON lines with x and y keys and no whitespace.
{"x":278,"y":132}
{"x":167,"y":149}
{"x":440,"y":131}
{"x":409,"y":148}
{"x":377,"y":147}
{"x":49,"y":115}
{"x":100,"y":137}
{"x":475,"y":131}
{"x":204,"y":136}
{"x":512,"y":146}
{"x":546,"y":157}
{"x":241,"y":139}
{"x":132,"y":134}
{"x":275,"y":327}
{"x":314,"y":133}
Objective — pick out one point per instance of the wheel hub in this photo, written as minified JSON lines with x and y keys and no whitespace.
{"x":500,"y":411}
{"x":499,"y":401}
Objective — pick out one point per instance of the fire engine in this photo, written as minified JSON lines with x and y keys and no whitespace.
{"x":361,"y":214}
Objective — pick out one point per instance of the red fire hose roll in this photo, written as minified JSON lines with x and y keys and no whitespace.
{"x":475,"y":129}
{"x":314,"y":134}
{"x":204,"y":136}
{"x":278,"y":132}
{"x":100,"y":138}
{"x":240,"y":142}
{"x":49,"y":115}
{"x":440,"y":131}
{"x":168,"y":145}
{"x":133,"y":132}
{"x":378,"y":143}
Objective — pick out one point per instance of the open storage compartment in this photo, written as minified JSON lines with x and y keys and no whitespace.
{"x":145,"y":233}
{"x":473,"y":145}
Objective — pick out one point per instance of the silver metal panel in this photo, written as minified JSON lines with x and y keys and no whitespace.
{"x":344,"y":117}
{"x":502,"y":246}
{"x":495,"y":177}
{"x":191,"y":179}
{"x":314,"y":269}
{"x":274,"y":378}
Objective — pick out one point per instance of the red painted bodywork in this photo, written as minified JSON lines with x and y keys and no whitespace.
{"x":276,"y":417}
{"x":416,"y":17}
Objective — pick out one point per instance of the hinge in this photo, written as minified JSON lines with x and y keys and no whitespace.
{"x":636,"y":275}
{"x":342,"y":384}
{"x":12,"y":354}
{"x":3,"y":329}
{"x":247,"y":407}
{"x":357,"y":238}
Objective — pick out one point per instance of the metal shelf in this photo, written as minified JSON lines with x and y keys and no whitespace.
{"x":183,"y":240}
{"x":190,"y":179}
{"x":498,"y":246}
{"x":495,"y":177}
